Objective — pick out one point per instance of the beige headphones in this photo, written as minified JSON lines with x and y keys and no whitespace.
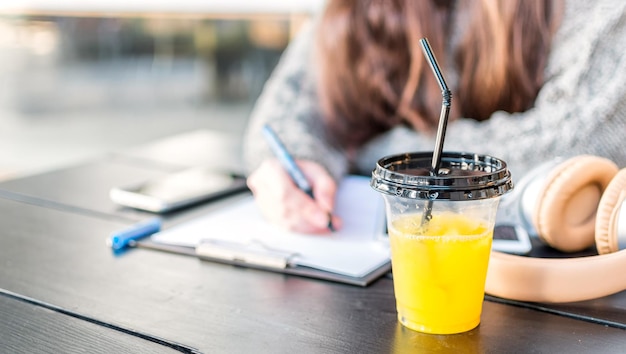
{"x":580,"y":202}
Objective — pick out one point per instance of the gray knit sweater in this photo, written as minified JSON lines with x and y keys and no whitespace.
{"x":581,"y":108}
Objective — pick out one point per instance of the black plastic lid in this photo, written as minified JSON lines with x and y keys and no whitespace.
{"x":462,"y":176}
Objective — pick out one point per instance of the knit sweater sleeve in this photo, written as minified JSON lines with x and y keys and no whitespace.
{"x":581,"y":109}
{"x":288,"y":103}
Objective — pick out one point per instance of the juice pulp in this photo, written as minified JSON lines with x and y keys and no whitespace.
{"x":439,"y":271}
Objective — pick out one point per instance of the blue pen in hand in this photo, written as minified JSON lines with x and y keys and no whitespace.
{"x":288,"y":163}
{"x":120,"y":239}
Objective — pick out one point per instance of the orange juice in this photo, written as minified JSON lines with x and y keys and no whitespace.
{"x":439,"y":271}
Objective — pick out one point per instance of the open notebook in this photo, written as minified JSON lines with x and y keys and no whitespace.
{"x":357,"y":253}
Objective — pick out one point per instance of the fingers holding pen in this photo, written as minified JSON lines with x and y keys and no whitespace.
{"x":324,"y":186}
{"x":283,"y":203}
{"x":324,"y":192}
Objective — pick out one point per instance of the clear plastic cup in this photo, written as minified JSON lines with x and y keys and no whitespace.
{"x":440,"y":230}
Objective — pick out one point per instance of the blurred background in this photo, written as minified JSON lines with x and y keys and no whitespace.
{"x":79,"y":79}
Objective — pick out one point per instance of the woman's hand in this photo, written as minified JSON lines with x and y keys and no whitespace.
{"x":284,"y":204}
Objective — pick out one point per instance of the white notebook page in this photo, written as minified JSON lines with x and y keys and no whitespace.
{"x":354,"y":250}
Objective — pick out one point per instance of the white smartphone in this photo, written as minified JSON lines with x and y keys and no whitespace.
{"x":178,"y":190}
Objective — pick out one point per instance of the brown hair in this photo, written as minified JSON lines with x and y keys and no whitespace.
{"x":373,"y":75}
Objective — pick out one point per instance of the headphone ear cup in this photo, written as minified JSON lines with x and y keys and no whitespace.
{"x":565,"y":211}
{"x":608,"y":213}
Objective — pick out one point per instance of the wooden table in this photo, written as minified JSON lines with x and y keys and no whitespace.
{"x":63,"y":290}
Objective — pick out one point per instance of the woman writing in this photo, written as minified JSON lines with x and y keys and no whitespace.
{"x":530,"y":80}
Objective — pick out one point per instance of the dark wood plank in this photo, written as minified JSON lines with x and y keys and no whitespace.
{"x":28,"y":328}
{"x":504,"y":330}
{"x":59,"y":257}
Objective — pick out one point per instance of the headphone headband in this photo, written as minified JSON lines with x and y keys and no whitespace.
{"x":555,"y":280}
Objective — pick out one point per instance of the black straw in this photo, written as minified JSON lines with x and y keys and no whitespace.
{"x":443,"y":120}
{"x":445,"y":106}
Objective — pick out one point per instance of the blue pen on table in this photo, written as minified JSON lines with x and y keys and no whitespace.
{"x":288,"y":163}
{"x":121,"y":239}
